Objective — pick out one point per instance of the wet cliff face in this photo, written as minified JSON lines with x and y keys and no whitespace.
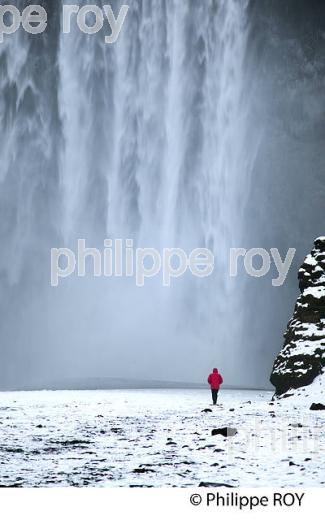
{"x":286,"y":195}
{"x":302,"y":358}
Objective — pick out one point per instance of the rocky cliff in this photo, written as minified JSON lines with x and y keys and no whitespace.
{"x":302,"y":357}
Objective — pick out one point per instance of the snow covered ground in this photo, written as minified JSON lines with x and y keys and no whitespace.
{"x":158,"y":438}
{"x":307,"y":395}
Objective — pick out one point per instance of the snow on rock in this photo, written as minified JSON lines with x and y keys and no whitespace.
{"x":306,"y":396}
{"x":302,"y":357}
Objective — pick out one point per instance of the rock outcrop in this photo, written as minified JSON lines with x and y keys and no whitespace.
{"x":302,"y":357}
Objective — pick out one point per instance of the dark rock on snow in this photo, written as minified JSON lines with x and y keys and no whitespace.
{"x":302,"y":357}
{"x":139,"y":486}
{"x":143,"y":470}
{"x":284,"y":396}
{"x":206,"y":410}
{"x":226,"y":432}
{"x":317,"y":406}
{"x":214,"y":484}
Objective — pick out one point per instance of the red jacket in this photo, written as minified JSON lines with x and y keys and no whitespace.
{"x":215,"y":379}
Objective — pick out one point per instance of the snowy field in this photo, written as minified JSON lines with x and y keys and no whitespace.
{"x":158,"y":438}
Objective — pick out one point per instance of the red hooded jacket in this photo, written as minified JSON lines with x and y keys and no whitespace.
{"x":215,"y":379}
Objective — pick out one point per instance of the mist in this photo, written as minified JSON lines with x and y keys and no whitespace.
{"x":202,"y":126}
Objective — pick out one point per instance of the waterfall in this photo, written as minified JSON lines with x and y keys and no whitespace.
{"x":153,"y":126}
{"x":28,"y":147}
{"x":150,"y":139}
{"x":154,"y":150}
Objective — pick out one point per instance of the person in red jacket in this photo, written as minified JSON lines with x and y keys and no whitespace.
{"x":215,"y":380}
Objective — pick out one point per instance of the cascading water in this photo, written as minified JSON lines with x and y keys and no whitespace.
{"x":164,"y":137}
{"x":153,"y":134}
{"x":28,"y":145}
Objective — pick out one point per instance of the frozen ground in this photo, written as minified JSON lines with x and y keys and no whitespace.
{"x":158,"y":438}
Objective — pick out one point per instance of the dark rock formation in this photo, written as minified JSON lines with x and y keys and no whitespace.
{"x":302,"y":357}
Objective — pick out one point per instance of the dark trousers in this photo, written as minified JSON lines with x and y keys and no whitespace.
{"x":214,"y":395}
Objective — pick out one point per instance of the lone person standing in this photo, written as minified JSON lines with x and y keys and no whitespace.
{"x":215,"y":380}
